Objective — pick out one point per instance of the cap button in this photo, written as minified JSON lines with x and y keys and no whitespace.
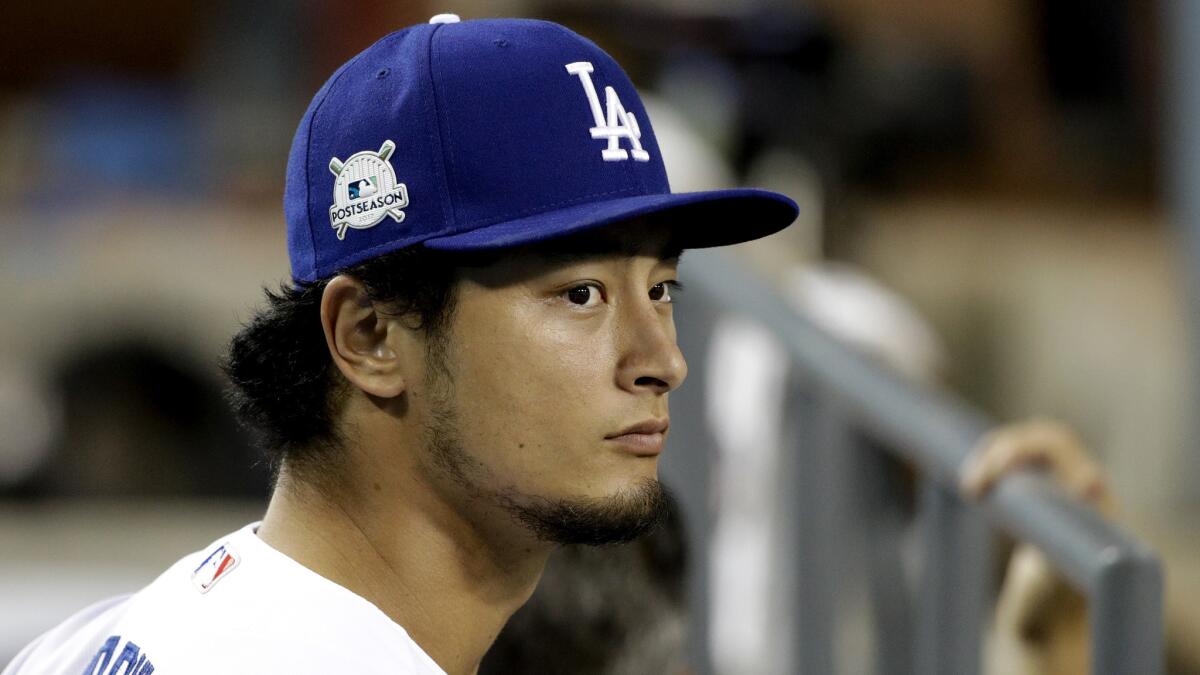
{"x":445,"y":18}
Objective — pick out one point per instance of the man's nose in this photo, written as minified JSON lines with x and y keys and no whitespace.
{"x":650,"y":357}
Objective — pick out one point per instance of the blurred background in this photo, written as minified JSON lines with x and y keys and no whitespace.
{"x":997,"y":195}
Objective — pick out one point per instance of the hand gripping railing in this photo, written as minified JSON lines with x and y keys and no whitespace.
{"x":1120,"y":576}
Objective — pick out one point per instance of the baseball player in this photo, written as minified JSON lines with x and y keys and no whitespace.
{"x":470,"y":366}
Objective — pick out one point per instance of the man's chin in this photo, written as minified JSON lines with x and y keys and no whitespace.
{"x":616,"y":519}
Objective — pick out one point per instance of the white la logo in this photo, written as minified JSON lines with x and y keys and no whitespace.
{"x":618,"y":125}
{"x":366,"y":191}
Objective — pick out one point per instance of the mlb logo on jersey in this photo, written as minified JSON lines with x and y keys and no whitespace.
{"x":218,"y":564}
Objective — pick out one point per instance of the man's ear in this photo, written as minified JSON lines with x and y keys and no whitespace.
{"x":363,"y":343}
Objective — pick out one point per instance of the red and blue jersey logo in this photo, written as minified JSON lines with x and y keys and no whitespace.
{"x":216,"y":566}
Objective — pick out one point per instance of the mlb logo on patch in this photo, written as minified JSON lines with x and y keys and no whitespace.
{"x":365,"y":187}
{"x":217,"y":565}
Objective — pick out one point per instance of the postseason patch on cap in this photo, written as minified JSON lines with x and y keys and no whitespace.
{"x":366,"y":191}
{"x":217,"y":565}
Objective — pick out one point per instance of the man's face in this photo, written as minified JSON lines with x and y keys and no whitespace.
{"x":552,"y":355}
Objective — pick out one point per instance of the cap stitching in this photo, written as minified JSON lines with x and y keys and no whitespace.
{"x":443,"y":132}
{"x":312,"y":240}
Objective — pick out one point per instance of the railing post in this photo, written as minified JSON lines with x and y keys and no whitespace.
{"x":953,"y":595}
{"x":1126,"y":615}
{"x":812,"y":577}
{"x":883,"y":489}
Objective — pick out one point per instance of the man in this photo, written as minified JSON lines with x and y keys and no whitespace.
{"x":471,"y":367}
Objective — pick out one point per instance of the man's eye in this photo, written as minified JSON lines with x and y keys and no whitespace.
{"x":661,"y":292}
{"x":584,"y":295}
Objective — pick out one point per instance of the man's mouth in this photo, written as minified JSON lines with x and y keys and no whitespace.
{"x":646,"y":438}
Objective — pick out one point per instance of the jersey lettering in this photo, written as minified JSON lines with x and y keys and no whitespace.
{"x":131,"y":661}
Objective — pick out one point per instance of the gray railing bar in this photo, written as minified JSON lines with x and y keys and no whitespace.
{"x":937,"y":432}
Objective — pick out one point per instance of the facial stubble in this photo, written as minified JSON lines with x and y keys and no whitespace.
{"x":594,"y":521}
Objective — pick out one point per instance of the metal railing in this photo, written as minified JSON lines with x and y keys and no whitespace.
{"x":848,"y":417}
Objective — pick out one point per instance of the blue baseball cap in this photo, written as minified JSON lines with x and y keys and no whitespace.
{"x":486,"y":134}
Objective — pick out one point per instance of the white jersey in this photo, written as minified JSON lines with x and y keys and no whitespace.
{"x":238,"y":606}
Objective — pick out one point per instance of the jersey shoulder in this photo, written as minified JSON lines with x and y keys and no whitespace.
{"x":237,"y":606}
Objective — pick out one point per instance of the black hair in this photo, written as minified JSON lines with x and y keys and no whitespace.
{"x":284,"y":386}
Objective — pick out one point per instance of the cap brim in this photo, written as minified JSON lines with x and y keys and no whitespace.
{"x":699,"y":220}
